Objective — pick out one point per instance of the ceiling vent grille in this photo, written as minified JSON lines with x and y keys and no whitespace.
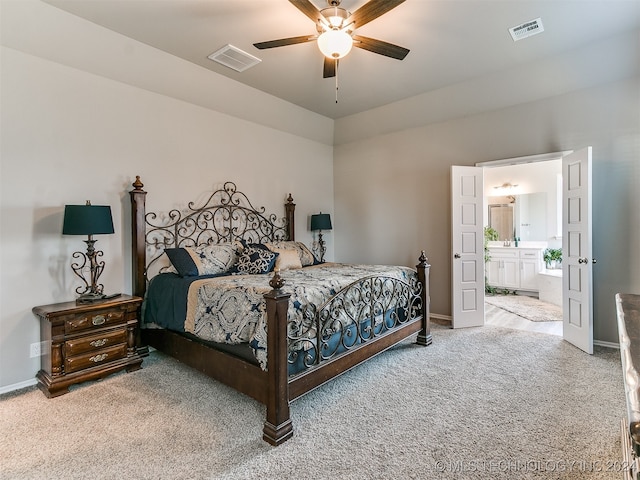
{"x":234,"y":58}
{"x":527,"y":29}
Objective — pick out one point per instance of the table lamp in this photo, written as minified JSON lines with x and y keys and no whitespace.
{"x":321,"y":221}
{"x":88,"y":220}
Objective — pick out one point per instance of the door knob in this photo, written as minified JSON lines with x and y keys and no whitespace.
{"x":583,"y":260}
{"x":457,"y":255}
{"x":594,"y":261}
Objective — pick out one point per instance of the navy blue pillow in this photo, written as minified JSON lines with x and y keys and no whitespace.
{"x":255,"y":260}
{"x":182,"y":262}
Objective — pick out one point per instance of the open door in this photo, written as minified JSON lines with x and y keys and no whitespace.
{"x":577,"y":258}
{"x":467,"y":268}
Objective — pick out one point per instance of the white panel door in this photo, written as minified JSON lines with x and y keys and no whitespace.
{"x":576,"y":250}
{"x":467,"y":268}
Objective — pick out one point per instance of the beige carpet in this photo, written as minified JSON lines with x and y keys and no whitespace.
{"x":480,"y":403}
{"x":527,"y":307}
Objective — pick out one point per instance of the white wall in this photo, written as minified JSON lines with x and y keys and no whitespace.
{"x":392,"y":192}
{"x":69,"y":135}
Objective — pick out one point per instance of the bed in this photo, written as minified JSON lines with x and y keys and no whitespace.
{"x":273,"y":335}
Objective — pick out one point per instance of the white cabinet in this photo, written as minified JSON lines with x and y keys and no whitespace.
{"x":492,"y":271}
{"x":514,"y":268}
{"x":503,"y":270}
{"x":530,"y":266}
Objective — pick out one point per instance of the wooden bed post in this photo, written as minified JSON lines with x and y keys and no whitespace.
{"x":138,"y":231}
{"x":277,"y":427}
{"x":424,"y":337}
{"x":289,"y":209}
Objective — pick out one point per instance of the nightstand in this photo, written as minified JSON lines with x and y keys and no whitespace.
{"x":88,"y":342}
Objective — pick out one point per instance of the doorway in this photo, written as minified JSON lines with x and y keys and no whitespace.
{"x":523,"y":207}
{"x":467,"y":259}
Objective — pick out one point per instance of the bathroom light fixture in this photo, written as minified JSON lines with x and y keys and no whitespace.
{"x":506,"y":188}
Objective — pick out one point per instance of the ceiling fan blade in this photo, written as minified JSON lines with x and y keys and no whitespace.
{"x":329,"y":68}
{"x":371,"y":10}
{"x":282,"y":42}
{"x":380,"y":47}
{"x":309,"y":9}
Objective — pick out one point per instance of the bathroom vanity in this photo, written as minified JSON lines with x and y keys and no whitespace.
{"x":514,"y":268}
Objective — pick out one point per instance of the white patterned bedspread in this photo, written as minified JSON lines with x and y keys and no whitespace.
{"x":232,"y":309}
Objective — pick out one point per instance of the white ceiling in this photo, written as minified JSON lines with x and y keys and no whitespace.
{"x":451,"y":42}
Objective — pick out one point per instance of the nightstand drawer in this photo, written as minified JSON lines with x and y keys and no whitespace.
{"x":97,"y":357}
{"x":96,"y":342}
{"x":104,"y":318}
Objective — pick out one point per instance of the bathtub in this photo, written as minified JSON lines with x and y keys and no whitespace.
{"x":550,"y":284}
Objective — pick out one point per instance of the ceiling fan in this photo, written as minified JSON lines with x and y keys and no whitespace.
{"x":336,"y":27}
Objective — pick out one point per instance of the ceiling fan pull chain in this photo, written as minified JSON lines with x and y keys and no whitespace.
{"x":337,"y":80}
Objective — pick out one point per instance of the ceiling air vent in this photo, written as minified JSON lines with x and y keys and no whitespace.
{"x":527,"y":29}
{"x":234,"y":58}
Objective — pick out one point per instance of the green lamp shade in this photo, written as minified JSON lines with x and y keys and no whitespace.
{"x":87,"y":220}
{"x":321,"y":221}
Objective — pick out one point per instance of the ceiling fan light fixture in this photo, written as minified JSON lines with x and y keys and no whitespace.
{"x":335,"y":16}
{"x":335,"y":43}
{"x":335,"y":22}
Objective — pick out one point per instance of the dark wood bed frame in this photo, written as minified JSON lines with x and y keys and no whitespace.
{"x":272,"y":387}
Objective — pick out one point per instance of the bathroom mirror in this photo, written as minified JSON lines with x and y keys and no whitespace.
{"x":531,"y":217}
{"x":527,"y":216}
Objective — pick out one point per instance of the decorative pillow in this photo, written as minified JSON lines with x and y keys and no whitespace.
{"x":207,"y":259}
{"x":287,"y":259}
{"x":254,"y":260}
{"x":306,"y":257}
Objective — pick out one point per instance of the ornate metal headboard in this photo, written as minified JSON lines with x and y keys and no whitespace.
{"x":225,"y":216}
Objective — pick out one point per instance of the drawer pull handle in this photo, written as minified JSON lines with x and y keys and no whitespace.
{"x":99,"y":358}
{"x":98,"y":320}
{"x":98,"y":343}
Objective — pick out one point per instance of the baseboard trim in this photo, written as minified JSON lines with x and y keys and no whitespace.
{"x":440,"y":319}
{"x":18,"y":386}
